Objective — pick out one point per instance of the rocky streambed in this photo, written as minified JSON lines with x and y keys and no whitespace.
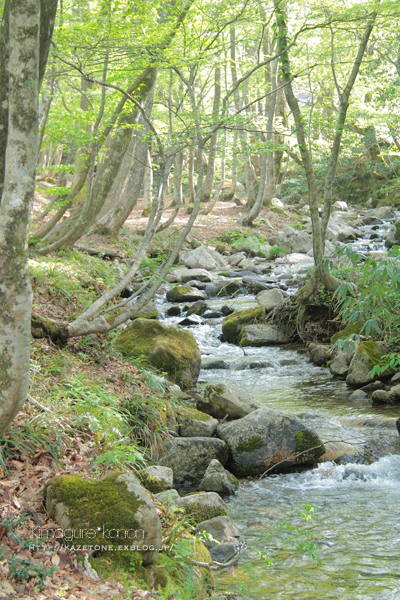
{"x":260,"y":405}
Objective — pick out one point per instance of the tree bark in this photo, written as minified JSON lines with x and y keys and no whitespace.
{"x":22,"y":49}
{"x":209,"y":180}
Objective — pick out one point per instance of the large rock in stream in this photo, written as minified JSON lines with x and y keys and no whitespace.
{"x":170,"y":349}
{"x":265,"y":438}
{"x":367,"y":355}
{"x":234,"y":323}
{"x":189,"y":457}
{"x":221,"y":400}
{"x":204,"y":258}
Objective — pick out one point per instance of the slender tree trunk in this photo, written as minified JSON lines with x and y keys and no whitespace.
{"x":147,"y":186}
{"x":177,"y":197}
{"x":21,"y":51}
{"x":192,"y":191}
{"x":209,"y":180}
{"x":319,"y":225}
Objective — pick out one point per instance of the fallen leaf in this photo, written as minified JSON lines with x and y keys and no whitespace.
{"x":55,"y":559}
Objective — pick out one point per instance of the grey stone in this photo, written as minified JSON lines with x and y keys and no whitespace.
{"x":227,"y":288}
{"x":220,"y":529}
{"x":185,"y":275}
{"x":320,"y":355}
{"x":213,"y":314}
{"x":236,"y":258}
{"x":340,"y":205}
{"x":262,"y":335}
{"x":167,"y":497}
{"x":395,"y":393}
{"x":393,"y":236}
{"x":185,"y":293}
{"x":363,"y":361}
{"x":202,"y":506}
{"x":227,"y":310}
{"x":340,"y":364}
{"x":164,"y":474}
{"x":190,"y":457}
{"x":358,"y":395}
{"x":189,"y":321}
{"x":395,"y":378}
{"x":196,"y":424}
{"x":204,"y":258}
{"x":197,"y":308}
{"x":270,"y":299}
{"x":174,"y":311}
{"x":216,"y":364}
{"x":225,"y":553}
{"x":381,"y":397}
{"x":217,"y":479}
{"x":266,"y":438}
{"x":221,"y":400}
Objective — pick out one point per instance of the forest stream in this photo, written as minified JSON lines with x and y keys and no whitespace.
{"x":357,"y":532}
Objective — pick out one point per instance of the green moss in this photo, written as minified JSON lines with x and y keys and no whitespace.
{"x":189,"y":413}
{"x":254,"y":442}
{"x":200,"y":513}
{"x":151,"y":482}
{"x":121,"y":565}
{"x":374,"y":351}
{"x":96,"y":509}
{"x":230,"y":288}
{"x":305,"y":440}
{"x":170,"y":349}
{"x":151,"y":314}
{"x":234,"y":481}
{"x":344,"y":333}
{"x":234,"y":323}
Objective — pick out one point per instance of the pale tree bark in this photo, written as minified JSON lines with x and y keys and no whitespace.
{"x":147,"y":186}
{"x":25,"y":66}
{"x":192,"y":191}
{"x":319,"y":226}
{"x":209,"y":180}
{"x":177,"y":196}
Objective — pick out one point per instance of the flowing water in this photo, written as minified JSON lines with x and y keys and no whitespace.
{"x":357,"y":534}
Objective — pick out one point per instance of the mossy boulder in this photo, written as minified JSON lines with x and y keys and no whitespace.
{"x":194,"y":423}
{"x":185,"y":293}
{"x":233,"y":324}
{"x":218,"y":479}
{"x":367,"y":356}
{"x":105,"y":514}
{"x":202,"y":506}
{"x":148,"y":312}
{"x":156,"y":479}
{"x":190,"y":457}
{"x":221,"y":399}
{"x":265,"y":438}
{"x":343,"y":334}
{"x":230,"y":287}
{"x":171,"y":350}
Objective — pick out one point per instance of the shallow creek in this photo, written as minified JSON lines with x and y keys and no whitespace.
{"x":357,"y":534}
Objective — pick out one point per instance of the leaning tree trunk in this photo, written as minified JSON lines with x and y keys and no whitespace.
{"x":147,"y":186}
{"x":24,"y":50}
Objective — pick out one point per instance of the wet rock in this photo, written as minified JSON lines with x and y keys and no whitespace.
{"x":340,"y":205}
{"x":116,"y":502}
{"x":395,"y":378}
{"x":198,"y":308}
{"x":267,"y":437}
{"x":221,"y":400}
{"x":381,"y":397}
{"x":216,"y":364}
{"x":200,"y":285}
{"x":190,"y":321}
{"x":247,"y":263}
{"x":169,"y":349}
{"x":270,"y":299}
{"x":194,"y":423}
{"x":181,"y":293}
{"x":340,"y":364}
{"x":227,"y":310}
{"x":371,"y":387}
{"x":319,"y":355}
{"x":358,"y":395}
{"x":185,"y":275}
{"x":367,"y":355}
{"x":213,"y":314}
{"x":202,"y":506}
{"x":174,"y":311}
{"x":211,"y":290}
{"x":190,"y":457}
{"x":393,"y":237}
{"x":262,"y":335}
{"x":219,"y":480}
{"x":234,"y":323}
{"x":204,"y":258}
{"x":229,"y":288}
{"x":395,"y":393}
{"x":221,"y":537}
{"x":382,"y":212}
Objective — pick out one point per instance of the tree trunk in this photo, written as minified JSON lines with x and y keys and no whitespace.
{"x":24,"y":48}
{"x":177,"y":197}
{"x":209,"y":180}
{"x":147,"y":186}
